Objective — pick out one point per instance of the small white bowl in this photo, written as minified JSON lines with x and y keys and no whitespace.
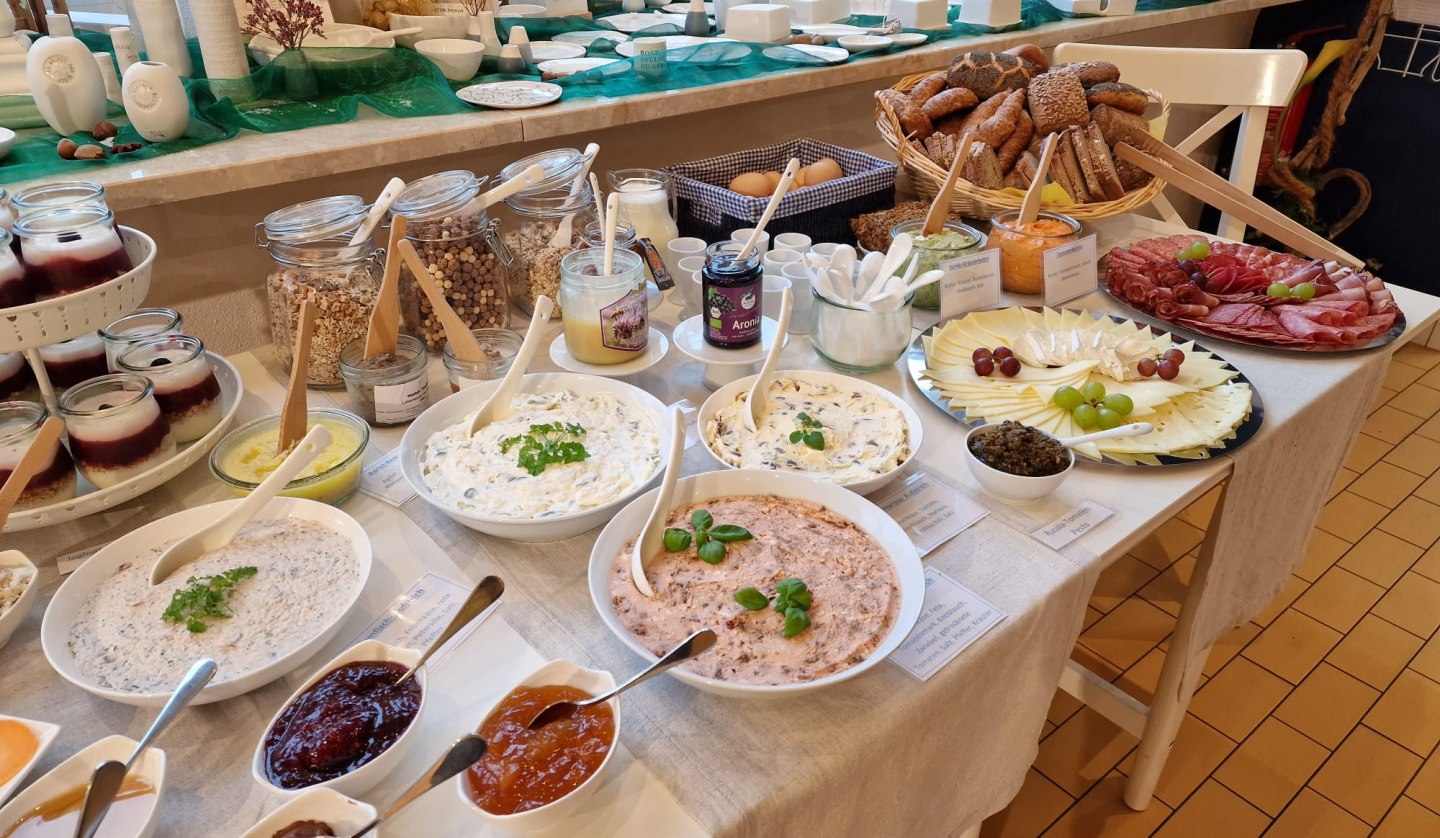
{"x":343,"y":815}
{"x":435,"y":26}
{"x":1008,"y":486}
{"x":45,"y":734}
{"x":7,"y":138}
{"x":365,"y":777}
{"x":863,"y":43}
{"x":592,"y":681}
{"x":11,"y":620}
{"x":457,"y":58}
{"x":914,"y":429}
{"x":75,"y":772}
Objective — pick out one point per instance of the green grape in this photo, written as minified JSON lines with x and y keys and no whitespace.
{"x":1305,"y":290}
{"x":1093,"y":392}
{"x":1277,"y":289}
{"x":1086,"y":416}
{"x":1068,"y":398}
{"x":1199,"y":250}
{"x":1120,"y":403}
{"x":1109,"y":419}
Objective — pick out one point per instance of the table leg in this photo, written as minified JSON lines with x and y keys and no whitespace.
{"x":1178,"y":677}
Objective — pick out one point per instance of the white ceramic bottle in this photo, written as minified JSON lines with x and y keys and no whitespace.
{"x":159,"y":22}
{"x":155,"y":101}
{"x":123,"y":39}
{"x":66,"y":84}
{"x":12,"y":56}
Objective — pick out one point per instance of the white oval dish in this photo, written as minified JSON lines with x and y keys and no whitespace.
{"x":908,"y":39}
{"x":1006,"y":486}
{"x":718,"y":484}
{"x":11,"y":619}
{"x":45,"y":734}
{"x":365,"y":777}
{"x":75,"y":772}
{"x":914,"y":430}
{"x":520,"y":10}
{"x":830,"y":55}
{"x":60,"y":614}
{"x":592,"y":681}
{"x":554,"y":50}
{"x":656,"y":348}
{"x":636,"y":21}
{"x":586,"y":37}
{"x":864,"y":43}
{"x":569,"y":66}
{"x":457,"y":406}
{"x":342,"y":814}
{"x":689,"y":337}
{"x":831,"y":32}
{"x":511,"y":95}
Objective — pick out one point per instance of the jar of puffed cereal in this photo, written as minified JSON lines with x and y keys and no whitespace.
{"x":310,"y":243}
{"x":535,"y":216}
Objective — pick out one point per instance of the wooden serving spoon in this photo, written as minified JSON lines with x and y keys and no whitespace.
{"x":462,"y":340}
{"x":383,"y":336}
{"x":498,"y":406}
{"x":1030,"y":208}
{"x":382,"y":203}
{"x":294,"y":414}
{"x":35,"y":457}
{"x":940,"y":207}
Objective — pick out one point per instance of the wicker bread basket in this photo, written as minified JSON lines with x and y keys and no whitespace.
{"x":972,"y":200}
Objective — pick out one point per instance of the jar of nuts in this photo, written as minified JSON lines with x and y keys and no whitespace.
{"x":310,"y":243}
{"x":460,"y":246}
{"x":536,"y":214}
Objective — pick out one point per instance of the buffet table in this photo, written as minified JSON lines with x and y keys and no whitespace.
{"x":882,"y":754}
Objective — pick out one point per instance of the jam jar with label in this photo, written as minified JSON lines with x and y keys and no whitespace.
{"x":730,"y":290}
{"x":606,"y":316}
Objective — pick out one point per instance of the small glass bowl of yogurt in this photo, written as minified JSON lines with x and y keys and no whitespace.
{"x":1023,"y":246}
{"x":247,"y":455}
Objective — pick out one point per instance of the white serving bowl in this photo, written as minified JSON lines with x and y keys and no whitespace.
{"x":457,"y":58}
{"x":75,"y":772}
{"x":434,"y":26}
{"x":1005,"y":485}
{"x":66,"y":604}
{"x":456,"y":407}
{"x":592,"y":681}
{"x":863,"y":43}
{"x":624,"y":527}
{"x":7,"y":139}
{"x":914,"y":430}
{"x":12,"y":619}
{"x":367,"y":776}
{"x":344,"y":816}
{"x":45,"y":734}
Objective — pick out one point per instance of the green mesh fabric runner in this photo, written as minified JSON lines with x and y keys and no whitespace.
{"x":305,"y":88}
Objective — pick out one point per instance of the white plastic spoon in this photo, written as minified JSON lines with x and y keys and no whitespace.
{"x":868,"y":275}
{"x":897,"y":254}
{"x":786,"y":179}
{"x":498,"y":407}
{"x":524,"y":180}
{"x":843,"y":260}
{"x":221,"y":532}
{"x":760,"y":389}
{"x":652,"y":538}
{"x":378,"y":209}
{"x":1132,"y":429}
{"x":896,"y":292}
{"x":565,"y":229}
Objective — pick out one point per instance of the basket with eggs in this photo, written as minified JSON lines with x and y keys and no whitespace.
{"x":762,"y":184}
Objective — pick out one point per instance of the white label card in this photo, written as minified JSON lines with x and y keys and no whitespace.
{"x":951,"y":618}
{"x":70,"y":561}
{"x":396,"y":403}
{"x":1073,"y":524}
{"x":1070,"y":271}
{"x":415,"y":618}
{"x":930,"y":510}
{"x":971,"y":283}
{"x":381,"y":479}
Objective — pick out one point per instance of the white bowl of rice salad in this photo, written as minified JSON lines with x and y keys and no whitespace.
{"x":18,"y":590}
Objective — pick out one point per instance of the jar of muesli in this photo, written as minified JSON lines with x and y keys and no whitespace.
{"x":535,"y":217}
{"x":460,"y":245}
{"x":314,"y":260}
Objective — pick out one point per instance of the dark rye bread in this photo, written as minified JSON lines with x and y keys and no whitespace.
{"x":1116,"y":125}
{"x":982,"y":167}
{"x":1065,"y":169}
{"x":1099,"y":153}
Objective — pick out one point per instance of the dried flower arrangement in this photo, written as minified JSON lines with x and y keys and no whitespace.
{"x":288,"y":23}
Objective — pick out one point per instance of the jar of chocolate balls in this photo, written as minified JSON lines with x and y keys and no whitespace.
{"x":460,"y":246}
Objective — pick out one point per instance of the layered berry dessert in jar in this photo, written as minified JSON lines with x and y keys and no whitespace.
{"x":14,"y":289}
{"x":184,"y":382}
{"x":64,"y":193}
{"x":70,"y":249}
{"x":17,"y":381}
{"x":70,"y":362}
{"x":55,"y":481}
{"x":140,"y":324}
{"x":116,"y":428}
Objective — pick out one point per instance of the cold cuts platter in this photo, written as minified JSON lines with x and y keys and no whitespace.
{"x":1070,"y":372}
{"x":1250,"y":295}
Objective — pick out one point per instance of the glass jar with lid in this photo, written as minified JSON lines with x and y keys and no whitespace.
{"x":606,"y":317}
{"x":536,"y":214}
{"x":64,"y":193}
{"x":314,"y":260}
{"x":1023,"y":246}
{"x":14,"y":290}
{"x":460,"y":246}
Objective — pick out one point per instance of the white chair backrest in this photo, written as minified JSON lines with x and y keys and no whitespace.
{"x":1244,"y":83}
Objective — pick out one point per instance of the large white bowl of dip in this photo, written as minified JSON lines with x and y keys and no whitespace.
{"x":860,"y":460}
{"x":172,"y":647}
{"x":135,"y":810}
{"x":541,"y":524}
{"x":909,"y":576}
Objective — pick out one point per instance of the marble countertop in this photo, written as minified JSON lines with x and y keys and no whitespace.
{"x":254,"y":160}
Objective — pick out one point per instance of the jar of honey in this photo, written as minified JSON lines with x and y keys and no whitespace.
{"x":606,"y":317}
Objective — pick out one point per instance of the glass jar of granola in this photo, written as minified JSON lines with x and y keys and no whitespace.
{"x":536,"y":215}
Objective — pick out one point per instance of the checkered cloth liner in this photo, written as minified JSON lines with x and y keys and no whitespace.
{"x":703,"y":183}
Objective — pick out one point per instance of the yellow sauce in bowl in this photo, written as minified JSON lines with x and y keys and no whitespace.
{"x":248,"y":456}
{"x":58,"y":816}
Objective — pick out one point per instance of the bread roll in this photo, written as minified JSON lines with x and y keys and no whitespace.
{"x":1057,"y":102}
{"x":928,"y":86}
{"x":949,"y":101}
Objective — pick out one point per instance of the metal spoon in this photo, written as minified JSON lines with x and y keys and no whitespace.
{"x":109,"y":775}
{"x":498,"y":406}
{"x":1132,"y":429}
{"x":484,"y":595}
{"x":760,"y":389}
{"x":653,"y":535}
{"x":688,"y":648}
{"x":463,"y":754}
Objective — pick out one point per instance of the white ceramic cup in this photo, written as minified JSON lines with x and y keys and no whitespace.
{"x":799,"y":275}
{"x":743,"y":235}
{"x":776,"y":260}
{"x":687,"y":279}
{"x":773,"y":291}
{"x":681,"y":248}
{"x":824,"y":249}
{"x":792,"y":241}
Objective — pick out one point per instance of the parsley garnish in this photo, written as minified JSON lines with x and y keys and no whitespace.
{"x":203,"y":598}
{"x":709,"y":537}
{"x":792,"y":601}
{"x":808,"y":432}
{"x":546,"y":445}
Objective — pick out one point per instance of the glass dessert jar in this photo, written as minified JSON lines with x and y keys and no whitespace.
{"x":136,"y":326}
{"x":70,"y":249}
{"x":859,"y":340}
{"x":607,"y":318}
{"x":499,"y":346}
{"x":1022,"y":247}
{"x":17,"y":380}
{"x":184,"y":382}
{"x":14,"y":289}
{"x":934,"y":251}
{"x":647,"y":202}
{"x":314,"y":260}
{"x":730,"y":297}
{"x":65,"y":193}
{"x":55,"y":481}
{"x":7,"y":212}
{"x":72,"y":361}
{"x":461,"y":248}
{"x":247,"y":455}
{"x":387,"y":389}
{"x":116,"y":428}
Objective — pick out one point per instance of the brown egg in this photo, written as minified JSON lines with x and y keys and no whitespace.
{"x":774,"y":178}
{"x":753,"y":184}
{"x":822,"y":170}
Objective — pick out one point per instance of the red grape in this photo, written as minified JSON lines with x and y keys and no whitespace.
{"x":982,"y":352}
{"x":1168,"y":369}
{"x":1146,"y":367}
{"x":1175,"y":355}
{"x":984,"y":366}
{"x":1003,"y":352}
{"x":1010,"y":366}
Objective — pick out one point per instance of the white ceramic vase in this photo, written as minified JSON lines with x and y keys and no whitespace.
{"x":155,"y":101}
{"x":482,"y":28}
{"x":66,"y":84}
{"x":159,"y":22}
{"x":217,"y":27}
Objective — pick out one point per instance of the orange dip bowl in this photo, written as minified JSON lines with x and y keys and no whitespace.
{"x":1022,"y":247}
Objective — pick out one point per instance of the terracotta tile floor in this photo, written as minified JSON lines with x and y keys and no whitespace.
{"x":1322,"y":717}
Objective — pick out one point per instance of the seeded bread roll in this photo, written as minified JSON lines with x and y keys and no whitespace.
{"x":1015,"y":145}
{"x":1057,"y":102}
{"x":1118,"y":126}
{"x":982,"y":167}
{"x":1117,"y":94}
{"x":949,"y":101}
{"x":928,"y":86}
{"x":913,"y":121}
{"x":1033,"y":54}
{"x":988,"y":73}
{"x":1093,"y":72}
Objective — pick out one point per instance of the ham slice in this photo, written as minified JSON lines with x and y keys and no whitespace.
{"x":1171,"y":310}
{"x":1306,"y":329}
{"x":1192,"y":293}
{"x":1322,"y":315}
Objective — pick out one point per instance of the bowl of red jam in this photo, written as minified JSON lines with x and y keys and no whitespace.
{"x":347,"y":728}
{"x":530,"y":780}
